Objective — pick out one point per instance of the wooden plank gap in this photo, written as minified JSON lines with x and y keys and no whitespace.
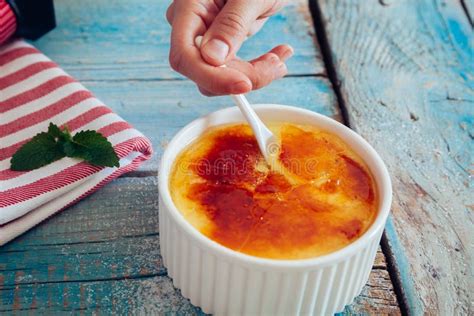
{"x":135,"y":80}
{"x":317,"y":75}
{"x":394,"y":274}
{"x":328,"y":62}
{"x":93,"y":242}
{"x":466,"y":11}
{"x":302,"y":75}
{"x":11,"y":286}
{"x":139,"y":174}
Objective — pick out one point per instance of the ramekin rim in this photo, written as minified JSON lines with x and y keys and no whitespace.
{"x":384,"y":190}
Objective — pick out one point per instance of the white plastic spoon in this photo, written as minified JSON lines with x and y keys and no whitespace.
{"x":267,"y":142}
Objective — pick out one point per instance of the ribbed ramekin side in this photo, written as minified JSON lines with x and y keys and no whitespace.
{"x":357,"y":274}
{"x":162,"y":227}
{"x":221,"y":287}
{"x":192,"y":270}
{"x":164,"y":224}
{"x":367,"y":268}
{"x":341,"y":283}
{"x":311,"y":293}
{"x":195,"y":275}
{"x":353,"y":275}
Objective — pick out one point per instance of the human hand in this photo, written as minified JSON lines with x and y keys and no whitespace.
{"x":224,"y":25}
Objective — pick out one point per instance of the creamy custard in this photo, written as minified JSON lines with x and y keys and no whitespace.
{"x":317,"y":197}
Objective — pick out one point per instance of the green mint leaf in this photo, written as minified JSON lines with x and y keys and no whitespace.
{"x":66,"y":135}
{"x":54,"y":130}
{"x":93,"y":148}
{"x":61,"y":135}
{"x":57,"y":143}
{"x":69,"y":148}
{"x":41,"y":150}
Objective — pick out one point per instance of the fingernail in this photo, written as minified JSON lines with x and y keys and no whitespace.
{"x":240,"y":87}
{"x":288,"y":53}
{"x":216,"y":50}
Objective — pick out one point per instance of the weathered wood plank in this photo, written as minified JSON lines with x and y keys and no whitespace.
{"x":124,"y":296}
{"x":406,"y":79}
{"x":103,"y":255}
{"x":120,"y":39}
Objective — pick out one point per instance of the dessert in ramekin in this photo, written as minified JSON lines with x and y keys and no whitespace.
{"x":222,"y":224}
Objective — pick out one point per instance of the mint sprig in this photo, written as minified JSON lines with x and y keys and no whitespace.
{"x":47,"y":147}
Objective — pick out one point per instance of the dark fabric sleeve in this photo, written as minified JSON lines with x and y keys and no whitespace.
{"x":34,"y":17}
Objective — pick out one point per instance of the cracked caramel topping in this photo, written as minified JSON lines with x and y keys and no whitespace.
{"x":317,"y":198}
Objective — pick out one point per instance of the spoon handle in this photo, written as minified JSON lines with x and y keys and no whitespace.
{"x":263,"y":135}
{"x":265,"y":138}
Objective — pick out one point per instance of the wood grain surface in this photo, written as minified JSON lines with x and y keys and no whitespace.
{"x":102,"y":255}
{"x":405,"y":74}
{"x":129,"y":40}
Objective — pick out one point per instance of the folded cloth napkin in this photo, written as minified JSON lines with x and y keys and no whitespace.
{"x":34,"y":91}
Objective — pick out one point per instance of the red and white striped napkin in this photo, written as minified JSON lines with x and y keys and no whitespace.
{"x":34,"y":91}
{"x":7,"y":21}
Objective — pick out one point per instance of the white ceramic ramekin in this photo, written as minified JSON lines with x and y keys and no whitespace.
{"x":225,"y":282}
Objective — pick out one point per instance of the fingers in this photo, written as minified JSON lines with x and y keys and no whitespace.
{"x":266,"y":68}
{"x":229,"y":29}
{"x":212,"y":79}
{"x":170,"y":13}
{"x":206,"y":93}
{"x":186,"y":27}
{"x":192,"y":18}
{"x":272,"y":7}
{"x":186,"y":59}
{"x":260,"y":71}
{"x":256,"y":26}
{"x":206,"y":10}
{"x":283,"y":51}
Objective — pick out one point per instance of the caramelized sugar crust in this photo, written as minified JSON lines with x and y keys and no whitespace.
{"x":318,"y":196}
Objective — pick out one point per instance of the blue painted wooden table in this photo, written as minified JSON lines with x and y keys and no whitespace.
{"x":399,"y":72}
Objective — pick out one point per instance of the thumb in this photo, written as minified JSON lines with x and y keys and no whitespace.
{"x":229,"y":29}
